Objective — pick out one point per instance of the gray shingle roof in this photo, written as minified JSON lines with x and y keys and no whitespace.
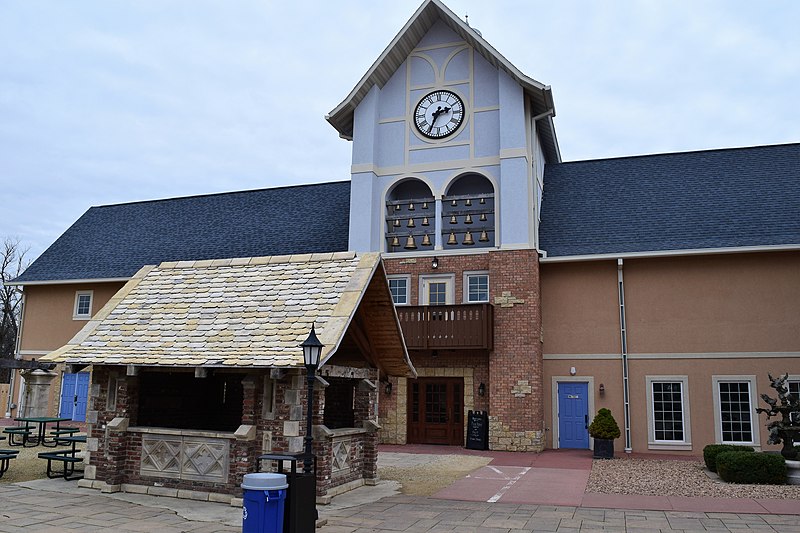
{"x":115,"y":241}
{"x":680,"y":201}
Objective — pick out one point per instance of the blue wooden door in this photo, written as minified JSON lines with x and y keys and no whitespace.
{"x":573,"y":415}
{"x":74,"y":396}
{"x":67,"y":405}
{"x":81,"y":397}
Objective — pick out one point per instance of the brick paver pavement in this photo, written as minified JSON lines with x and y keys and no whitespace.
{"x":427,"y":515}
{"x":27,"y":510}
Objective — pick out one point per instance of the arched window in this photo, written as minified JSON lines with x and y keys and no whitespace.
{"x":410,"y":212}
{"x":468,"y":213}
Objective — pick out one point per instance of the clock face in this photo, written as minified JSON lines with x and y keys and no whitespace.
{"x":439,"y":114}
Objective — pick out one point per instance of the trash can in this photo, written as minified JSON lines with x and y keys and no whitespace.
{"x":300,"y":514}
{"x":264,"y":497}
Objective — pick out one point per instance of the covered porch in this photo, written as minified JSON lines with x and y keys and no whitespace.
{"x":197,"y":371}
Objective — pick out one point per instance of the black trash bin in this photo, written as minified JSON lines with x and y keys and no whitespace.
{"x":301,"y":496}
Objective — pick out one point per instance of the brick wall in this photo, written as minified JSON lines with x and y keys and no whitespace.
{"x":512,"y":371}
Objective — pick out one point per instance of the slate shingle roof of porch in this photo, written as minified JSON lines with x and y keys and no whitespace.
{"x":230,"y":313}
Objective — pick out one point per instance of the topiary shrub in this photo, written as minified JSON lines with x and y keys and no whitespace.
{"x":711,"y":452}
{"x":604,"y":426}
{"x":749,"y":467}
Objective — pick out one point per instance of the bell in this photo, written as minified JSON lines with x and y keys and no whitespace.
{"x":468,"y":219}
{"x":396,"y":223}
{"x":484,"y":237}
{"x":397,"y":207}
{"x":395,"y":241}
{"x":483,"y":217}
{"x":425,"y":222}
{"x":452,"y":239}
{"x":410,"y":223}
{"x":454,"y":203}
{"x":454,"y":219}
{"x":468,"y":202}
{"x":424,"y":205}
{"x":411,"y":206}
{"x":411,"y":244}
{"x":426,"y":240}
{"x":468,"y":239}
{"x":483,"y":201}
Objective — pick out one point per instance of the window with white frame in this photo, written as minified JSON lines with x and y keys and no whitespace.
{"x":793,"y":384}
{"x":83,"y":305}
{"x":476,"y":287}
{"x":398,"y":286}
{"x":668,"y":412}
{"x":734,"y":410}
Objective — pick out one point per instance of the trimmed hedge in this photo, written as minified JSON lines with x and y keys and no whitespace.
{"x":711,"y":451}
{"x":747,"y":467}
{"x":604,"y":426}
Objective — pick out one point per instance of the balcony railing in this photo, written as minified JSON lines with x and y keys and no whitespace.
{"x":466,"y":326}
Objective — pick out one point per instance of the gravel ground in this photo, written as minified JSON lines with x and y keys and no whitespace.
{"x":651,"y":477}
{"x":26,"y":466}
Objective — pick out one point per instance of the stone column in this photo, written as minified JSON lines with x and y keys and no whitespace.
{"x":37,"y":391}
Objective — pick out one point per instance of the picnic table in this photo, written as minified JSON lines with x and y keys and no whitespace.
{"x":68,"y":458}
{"x":42,"y":421}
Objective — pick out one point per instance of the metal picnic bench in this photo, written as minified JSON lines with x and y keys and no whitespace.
{"x":66,"y":457}
{"x":5,"y":458}
{"x":24,"y":432}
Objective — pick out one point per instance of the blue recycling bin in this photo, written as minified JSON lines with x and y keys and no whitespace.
{"x":264,"y":498}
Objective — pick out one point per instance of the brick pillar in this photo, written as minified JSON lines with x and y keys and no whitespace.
{"x":243,"y":454}
{"x":365,"y":415}
{"x":515,"y":365}
{"x":109,"y":448}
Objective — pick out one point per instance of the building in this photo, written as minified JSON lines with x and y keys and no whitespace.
{"x":664,"y":287}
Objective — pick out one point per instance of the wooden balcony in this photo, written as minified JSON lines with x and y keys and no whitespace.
{"x":467,"y":326}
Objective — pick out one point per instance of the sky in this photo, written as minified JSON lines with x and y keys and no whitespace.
{"x":110,"y":101}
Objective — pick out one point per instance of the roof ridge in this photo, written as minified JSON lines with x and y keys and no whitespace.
{"x":225,"y":193}
{"x":259,"y":260}
{"x":684,"y":152}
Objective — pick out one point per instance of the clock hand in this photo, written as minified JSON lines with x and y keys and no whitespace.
{"x":436,"y":114}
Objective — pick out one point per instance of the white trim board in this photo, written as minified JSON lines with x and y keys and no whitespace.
{"x":669,"y":253}
{"x":707,"y":355}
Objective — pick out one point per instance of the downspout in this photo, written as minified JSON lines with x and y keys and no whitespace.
{"x":623,"y":333}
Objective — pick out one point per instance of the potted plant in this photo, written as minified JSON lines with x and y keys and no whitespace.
{"x":604,"y":430}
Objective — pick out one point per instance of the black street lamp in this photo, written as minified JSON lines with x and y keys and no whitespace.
{"x":312,"y":349}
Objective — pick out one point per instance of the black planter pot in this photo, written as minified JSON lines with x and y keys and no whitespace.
{"x":603,"y":449}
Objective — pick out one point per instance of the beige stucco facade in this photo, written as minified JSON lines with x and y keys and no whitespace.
{"x":48,"y":323}
{"x":693,"y":319}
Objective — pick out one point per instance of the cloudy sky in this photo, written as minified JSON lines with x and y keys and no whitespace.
{"x":108,"y":101}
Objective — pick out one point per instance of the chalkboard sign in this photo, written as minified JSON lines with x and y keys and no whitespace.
{"x":478,"y":430}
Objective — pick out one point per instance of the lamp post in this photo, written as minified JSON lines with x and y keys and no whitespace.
{"x":312,"y":349}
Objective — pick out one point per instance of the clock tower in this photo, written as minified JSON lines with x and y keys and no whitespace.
{"x":450,"y":141}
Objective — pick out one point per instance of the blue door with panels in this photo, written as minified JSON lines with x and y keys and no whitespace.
{"x":573,"y":415}
{"x":74,"y":396}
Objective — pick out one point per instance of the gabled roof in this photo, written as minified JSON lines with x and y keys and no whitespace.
{"x":115,"y":241}
{"x":247,"y":312}
{"x":729,"y":198}
{"x":406,"y":40}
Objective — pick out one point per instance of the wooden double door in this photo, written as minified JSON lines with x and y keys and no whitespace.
{"x":436,"y":411}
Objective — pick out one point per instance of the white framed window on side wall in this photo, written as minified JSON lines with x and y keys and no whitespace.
{"x":83,"y":305}
{"x":399,"y":286}
{"x":668,"y":421}
{"x":735,"y":419}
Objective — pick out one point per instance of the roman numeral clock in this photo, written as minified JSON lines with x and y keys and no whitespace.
{"x":439,"y":114}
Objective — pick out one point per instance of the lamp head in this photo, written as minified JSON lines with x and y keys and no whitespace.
{"x":312,"y":349}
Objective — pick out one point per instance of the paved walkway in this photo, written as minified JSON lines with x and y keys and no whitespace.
{"x":506,"y":498}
